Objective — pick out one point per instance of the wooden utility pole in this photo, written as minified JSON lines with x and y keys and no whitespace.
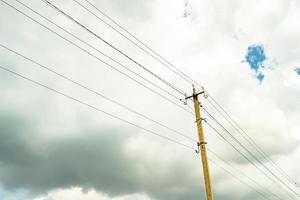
{"x":202,"y":144}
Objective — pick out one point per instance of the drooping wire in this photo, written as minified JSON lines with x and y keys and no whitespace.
{"x":97,"y":93}
{"x":97,"y":49}
{"x":115,"y":117}
{"x":169,"y":63}
{"x":146,"y":49}
{"x":250,"y":153}
{"x":240,"y":180}
{"x":112,"y":46}
{"x":243,"y":173}
{"x":186,"y":77}
{"x":96,"y":57}
{"x":244,"y":156}
{"x":95,"y":108}
{"x":181,"y":74}
{"x":247,"y":137}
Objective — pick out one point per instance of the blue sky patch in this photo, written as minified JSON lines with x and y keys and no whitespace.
{"x":260,"y":77}
{"x":255,"y":57}
{"x":297,"y":70}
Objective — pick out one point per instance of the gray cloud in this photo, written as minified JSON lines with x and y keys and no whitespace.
{"x":95,"y":159}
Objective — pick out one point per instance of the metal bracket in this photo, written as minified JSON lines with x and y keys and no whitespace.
{"x":196,"y":94}
{"x":204,"y":119}
{"x":200,"y":104}
{"x":198,"y":148}
{"x":184,"y":100}
{"x":204,"y":93}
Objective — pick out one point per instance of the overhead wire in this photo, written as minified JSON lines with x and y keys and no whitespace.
{"x":149,"y":48}
{"x":250,"y":153}
{"x":112,"y":46}
{"x":94,"y":56}
{"x":79,"y":84}
{"x":169,"y":63}
{"x":239,"y":179}
{"x":248,"y":138}
{"x":113,"y":116}
{"x":2,"y":0}
{"x":97,"y":93}
{"x":95,"y":108}
{"x":143,"y":49}
{"x":176,"y":71}
{"x":245,"y":157}
{"x":267,"y":191}
{"x":97,"y":49}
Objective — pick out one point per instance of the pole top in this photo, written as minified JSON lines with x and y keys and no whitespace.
{"x":194,"y":93}
{"x":194,"y":89}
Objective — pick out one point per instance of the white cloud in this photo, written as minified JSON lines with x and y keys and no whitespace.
{"x":79,"y":194}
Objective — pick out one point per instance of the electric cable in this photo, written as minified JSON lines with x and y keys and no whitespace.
{"x":250,"y":153}
{"x":112,"y":46}
{"x":94,"y":56}
{"x":94,"y":108}
{"x":96,"y":92}
{"x":96,"y":49}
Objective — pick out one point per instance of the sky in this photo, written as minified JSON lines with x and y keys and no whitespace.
{"x":244,"y":53}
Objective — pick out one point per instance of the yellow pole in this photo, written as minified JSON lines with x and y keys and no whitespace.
{"x":207,"y":181}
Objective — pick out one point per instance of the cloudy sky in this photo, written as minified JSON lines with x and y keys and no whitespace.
{"x":245,"y":54}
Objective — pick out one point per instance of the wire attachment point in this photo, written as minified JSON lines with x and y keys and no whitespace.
{"x":184,"y":100}
{"x":198,"y":148}
{"x":205,"y":95}
{"x":204,"y":119}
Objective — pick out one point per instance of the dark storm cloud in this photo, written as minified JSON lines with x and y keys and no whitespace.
{"x":95,"y":159}
{"x":83,"y":160}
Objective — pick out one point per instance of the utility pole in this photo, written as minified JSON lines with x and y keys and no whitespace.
{"x":202,"y":145}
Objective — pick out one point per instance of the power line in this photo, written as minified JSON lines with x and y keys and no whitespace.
{"x":96,"y":49}
{"x":250,"y":153}
{"x":97,"y":93}
{"x":190,"y":80}
{"x":124,"y":29}
{"x":241,"y":172}
{"x":66,"y":78}
{"x":97,"y":109}
{"x":125,"y":35}
{"x":112,"y":46}
{"x":125,"y":55}
{"x":247,"y":137}
{"x":240,"y":180}
{"x":176,"y":71}
{"x":96,"y":57}
{"x":111,"y":115}
{"x":244,"y":156}
{"x":238,"y":151}
{"x":94,"y":108}
{"x":181,"y":73}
